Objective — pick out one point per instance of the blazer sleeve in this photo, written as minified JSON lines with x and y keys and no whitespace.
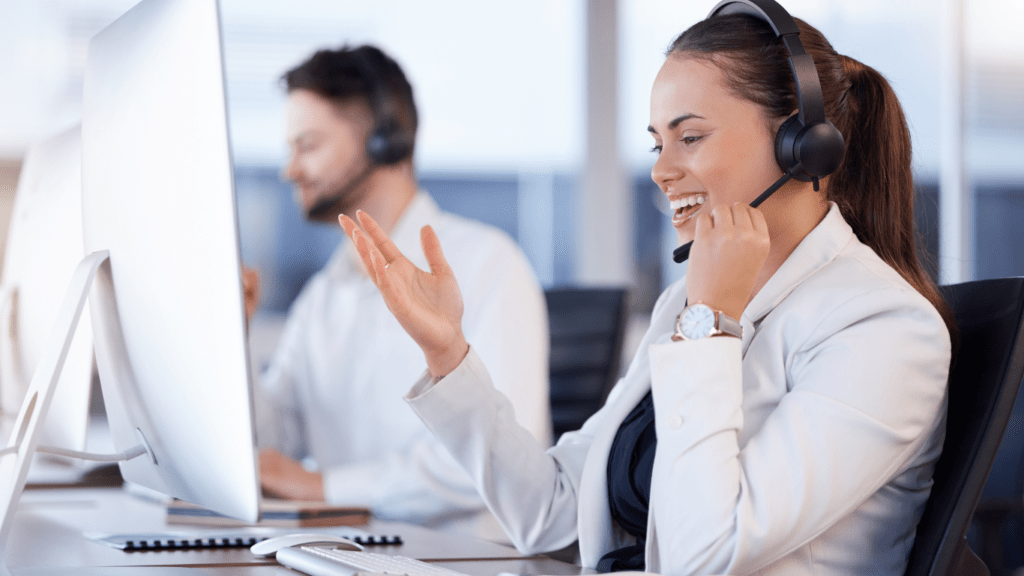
{"x":866,"y":391}
{"x":421,"y":483}
{"x":506,"y":320}
{"x":532,"y":492}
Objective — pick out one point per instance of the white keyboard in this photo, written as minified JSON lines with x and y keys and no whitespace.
{"x":328,"y":561}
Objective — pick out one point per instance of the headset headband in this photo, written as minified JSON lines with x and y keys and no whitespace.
{"x":811,"y":106}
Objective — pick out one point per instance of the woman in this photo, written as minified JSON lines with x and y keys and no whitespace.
{"x":804,"y":444}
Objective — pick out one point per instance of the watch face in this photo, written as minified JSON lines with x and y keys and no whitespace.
{"x":698,"y":321}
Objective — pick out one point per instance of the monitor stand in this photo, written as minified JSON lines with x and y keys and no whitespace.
{"x":23,"y":442}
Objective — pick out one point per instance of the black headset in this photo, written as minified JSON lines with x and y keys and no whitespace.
{"x":807,"y":146}
{"x":388,"y":143}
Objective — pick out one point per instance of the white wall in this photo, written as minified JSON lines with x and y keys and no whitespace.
{"x":500,"y":85}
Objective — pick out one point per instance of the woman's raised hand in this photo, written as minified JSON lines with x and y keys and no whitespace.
{"x":730,"y":247}
{"x":428,"y":305}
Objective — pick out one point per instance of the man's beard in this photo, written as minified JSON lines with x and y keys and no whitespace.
{"x":328,"y":206}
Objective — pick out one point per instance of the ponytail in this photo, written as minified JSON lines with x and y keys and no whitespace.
{"x":874,"y":185}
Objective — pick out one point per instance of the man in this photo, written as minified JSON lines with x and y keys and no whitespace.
{"x":333,"y":394}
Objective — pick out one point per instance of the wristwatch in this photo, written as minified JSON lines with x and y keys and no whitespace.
{"x":699,"y":320}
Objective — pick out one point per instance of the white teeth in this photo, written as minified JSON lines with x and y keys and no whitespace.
{"x":690,"y":200}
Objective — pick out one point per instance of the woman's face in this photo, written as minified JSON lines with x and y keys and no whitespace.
{"x":713,"y":148}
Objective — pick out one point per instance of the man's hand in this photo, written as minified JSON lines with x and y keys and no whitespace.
{"x":251,"y":290}
{"x":282,"y":477}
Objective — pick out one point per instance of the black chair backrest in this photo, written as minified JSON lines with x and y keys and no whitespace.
{"x":587,"y":328}
{"x":983,"y":383}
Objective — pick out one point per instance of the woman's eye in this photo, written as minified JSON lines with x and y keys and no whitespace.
{"x":688,"y":140}
{"x":656,"y":149}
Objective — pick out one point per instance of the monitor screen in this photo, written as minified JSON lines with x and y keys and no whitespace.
{"x":167,"y":308}
{"x":44,"y":244}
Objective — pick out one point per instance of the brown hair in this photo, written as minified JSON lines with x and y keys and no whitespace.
{"x":874,"y":185}
{"x":338,"y":76}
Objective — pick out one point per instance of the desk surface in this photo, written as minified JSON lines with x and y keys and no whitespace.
{"x":49,"y":527}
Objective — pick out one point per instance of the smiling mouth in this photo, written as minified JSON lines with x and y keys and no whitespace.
{"x":685,"y":208}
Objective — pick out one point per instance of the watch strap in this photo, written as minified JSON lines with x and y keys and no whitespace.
{"x":727,"y":325}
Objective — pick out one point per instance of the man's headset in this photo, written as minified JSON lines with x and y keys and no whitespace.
{"x":388,"y":143}
{"x":807,"y":146}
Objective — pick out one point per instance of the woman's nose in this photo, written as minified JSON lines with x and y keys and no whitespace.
{"x":665,"y":170}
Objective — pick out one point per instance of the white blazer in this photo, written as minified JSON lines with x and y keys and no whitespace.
{"x":806,"y":448}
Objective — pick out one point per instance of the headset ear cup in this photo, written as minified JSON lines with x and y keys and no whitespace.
{"x":813,"y":151}
{"x":377,"y":147}
{"x":820,"y":149}
{"x":386,"y":146}
{"x":785,"y":146}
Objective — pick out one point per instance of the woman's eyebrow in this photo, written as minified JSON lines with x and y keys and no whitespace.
{"x":675,"y":122}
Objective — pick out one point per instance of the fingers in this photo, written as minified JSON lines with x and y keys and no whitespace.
{"x":738,"y":216}
{"x":363,"y":246}
{"x":250,"y":290}
{"x":379,"y":237}
{"x":284,"y":477}
{"x":730,"y":246}
{"x":732,"y":227}
{"x":370,"y":257}
{"x":377,"y":268}
{"x":374,"y":262}
{"x":432,"y":250}
{"x":250,"y":277}
{"x":377,"y":254}
{"x":347,"y":225}
{"x":741,"y":216}
{"x":393,"y":287}
{"x":705,"y":223}
{"x":758,"y":219}
{"x":352,"y":230}
{"x":377,"y":263}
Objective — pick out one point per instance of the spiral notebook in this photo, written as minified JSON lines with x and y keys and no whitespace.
{"x":235,"y":538}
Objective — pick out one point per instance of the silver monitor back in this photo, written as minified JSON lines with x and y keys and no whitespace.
{"x":44,"y":244}
{"x":167,"y":309}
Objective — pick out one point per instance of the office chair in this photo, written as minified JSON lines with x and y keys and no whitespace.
{"x":587,"y":327}
{"x":999,"y":517}
{"x":983,"y":383}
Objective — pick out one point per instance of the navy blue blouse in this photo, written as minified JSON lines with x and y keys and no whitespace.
{"x":630,"y":465}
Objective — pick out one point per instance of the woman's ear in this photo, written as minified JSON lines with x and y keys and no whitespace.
{"x":778,"y":122}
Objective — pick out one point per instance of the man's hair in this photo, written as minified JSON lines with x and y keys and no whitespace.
{"x":363,"y":73}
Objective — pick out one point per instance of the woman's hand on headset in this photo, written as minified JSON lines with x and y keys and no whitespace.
{"x":730,"y":247}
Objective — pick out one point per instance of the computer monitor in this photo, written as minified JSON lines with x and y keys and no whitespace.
{"x":167,"y":307}
{"x":44,"y":244}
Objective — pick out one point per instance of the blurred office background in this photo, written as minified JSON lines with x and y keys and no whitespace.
{"x":534,"y":116}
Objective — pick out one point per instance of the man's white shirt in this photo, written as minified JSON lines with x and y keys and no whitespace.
{"x":333,"y":392}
